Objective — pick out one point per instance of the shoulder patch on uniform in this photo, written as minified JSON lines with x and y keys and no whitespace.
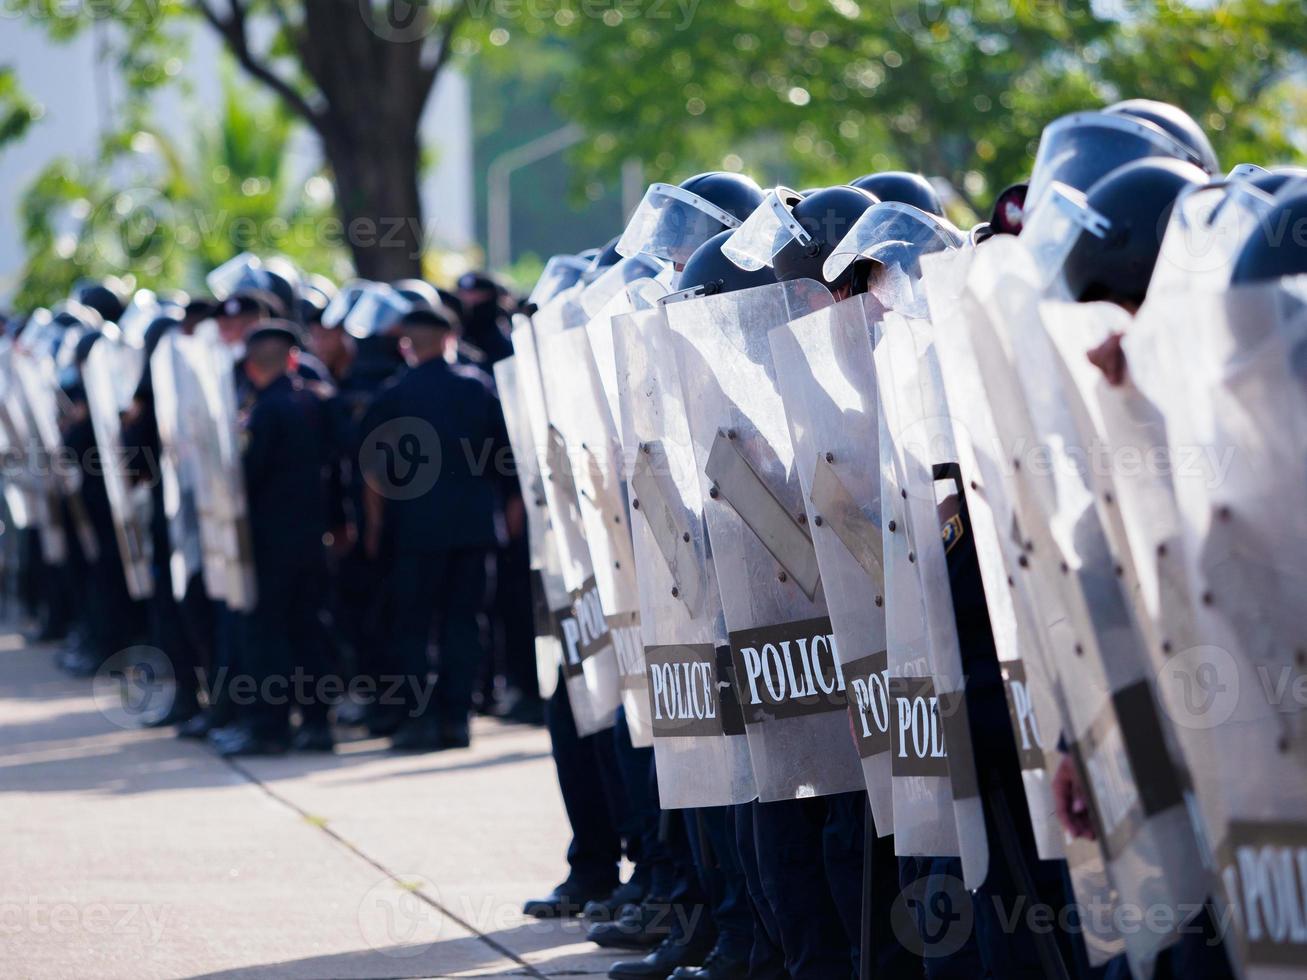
{"x":951,"y":532}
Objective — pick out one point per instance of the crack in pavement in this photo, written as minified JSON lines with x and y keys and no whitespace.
{"x":527,"y":969}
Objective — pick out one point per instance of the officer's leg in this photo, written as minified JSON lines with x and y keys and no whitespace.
{"x":937,"y":905}
{"x":722,"y":875}
{"x":595,"y":849}
{"x":515,"y":613}
{"x":638,"y":804}
{"x":269,"y":643}
{"x":167,"y":634}
{"x":1199,"y":955}
{"x":788,"y":836}
{"x":462,"y":652}
{"x":842,"y":842}
{"x":314,"y":661}
{"x":415,"y":581}
{"x":766,"y":960}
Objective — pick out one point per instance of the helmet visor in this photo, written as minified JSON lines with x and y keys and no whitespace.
{"x":1078,"y":149}
{"x":671,"y":223}
{"x":140,"y":313}
{"x":334,"y":313}
{"x":892,"y":233}
{"x":234,"y":274}
{"x":377,"y":309}
{"x":1049,"y":234}
{"x":560,"y":272}
{"x":755,"y":244}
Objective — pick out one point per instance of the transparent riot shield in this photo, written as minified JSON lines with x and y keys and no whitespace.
{"x":599,"y":329}
{"x":207,"y":453}
{"x":1110,"y":714}
{"x":589,"y":660}
{"x":1031,"y":703}
{"x":828,"y":384}
{"x":110,"y":375}
{"x":173,"y":385}
{"x":1207,"y":227}
{"x":1231,"y":382}
{"x":548,"y":593}
{"x":700,"y":746}
{"x":921,"y":451}
{"x":24,"y":494}
{"x":792,"y":690}
{"x":578,"y":412}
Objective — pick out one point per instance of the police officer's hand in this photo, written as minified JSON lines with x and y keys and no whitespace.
{"x":1109,"y":358}
{"x":1072,"y":801}
{"x":515,"y":517}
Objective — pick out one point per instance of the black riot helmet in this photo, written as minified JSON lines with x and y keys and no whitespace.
{"x":795,"y":234}
{"x":708,"y":272}
{"x":826,"y":216}
{"x":671,"y":221}
{"x":1132,"y":204}
{"x":108,"y":296}
{"x":1278,"y":178}
{"x":1277,"y":246}
{"x":605,"y":258}
{"x":904,"y":187}
{"x":419,"y":292}
{"x":1176,"y":122}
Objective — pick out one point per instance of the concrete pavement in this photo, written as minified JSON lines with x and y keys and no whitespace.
{"x":129,"y":853}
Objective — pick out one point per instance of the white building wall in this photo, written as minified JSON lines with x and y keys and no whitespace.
{"x":78,"y":96}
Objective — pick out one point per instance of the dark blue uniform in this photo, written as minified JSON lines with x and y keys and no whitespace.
{"x":435,"y":445}
{"x":286,"y":450}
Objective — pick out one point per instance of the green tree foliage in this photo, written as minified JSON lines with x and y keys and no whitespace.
{"x":816,"y":91}
{"x":165,"y":214}
{"x":17,"y":111}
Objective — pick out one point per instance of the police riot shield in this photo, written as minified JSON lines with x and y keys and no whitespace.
{"x":1019,"y":626}
{"x":549,"y":596}
{"x":1232,"y":381}
{"x":57,"y":476}
{"x":1207,"y":227}
{"x":921,"y":451}
{"x":589,"y":661}
{"x":207,"y":457}
{"x":1110,"y":715}
{"x":828,"y":384}
{"x":637,"y":294}
{"x":1031,"y":704}
{"x":700,"y":747}
{"x":110,"y":374}
{"x":25,"y":496}
{"x":782,"y":645}
{"x":579,"y":413}
{"x":175,"y":389}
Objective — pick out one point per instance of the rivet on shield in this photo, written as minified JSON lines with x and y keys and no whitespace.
{"x":617,"y":518}
{"x":1161,"y":551}
{"x":635,"y":503}
{"x":617,"y":564}
{"x":730,"y":433}
{"x":880,"y":600}
{"x":817,"y":520}
{"x":975,"y":485}
{"x":1166,"y":646}
{"x":1011,"y":580}
{"x":675,"y":592}
{"x":1108,"y":498}
{"x":1208,"y":598}
{"x":644,"y":448}
{"x":912,"y":556}
{"x":714,"y":492}
{"x":1223,"y":513}
{"x":782,"y":577}
{"x":893,"y":526}
{"x":830,"y":457}
{"x":685,"y":536}
{"x":1023,"y":561}
{"x":1065,"y":568}
{"x":904,"y":493}
{"x":1119,"y":570}
{"x":1080,"y":650}
{"x":803,"y":518}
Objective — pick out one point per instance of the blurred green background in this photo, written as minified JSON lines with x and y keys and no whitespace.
{"x":801,"y":92}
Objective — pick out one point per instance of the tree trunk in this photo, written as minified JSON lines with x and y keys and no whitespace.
{"x":376,"y":178}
